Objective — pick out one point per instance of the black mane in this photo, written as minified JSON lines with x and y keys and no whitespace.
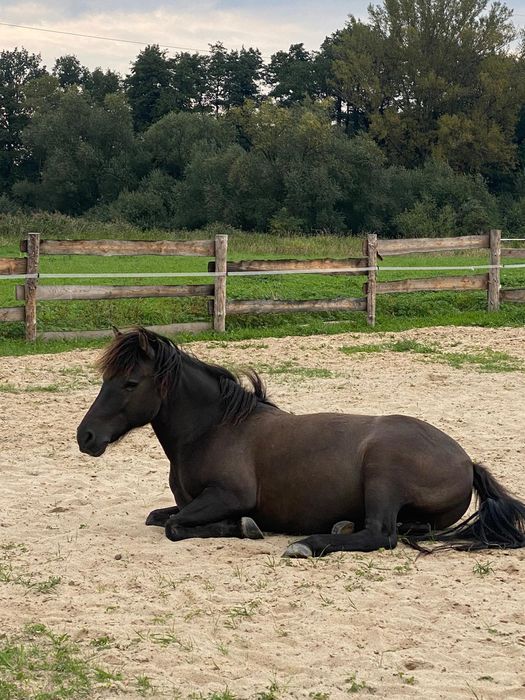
{"x":128,"y":349}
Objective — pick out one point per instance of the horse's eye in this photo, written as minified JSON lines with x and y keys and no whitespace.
{"x":131,"y":384}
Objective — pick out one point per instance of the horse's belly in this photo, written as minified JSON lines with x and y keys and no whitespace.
{"x":297,"y":503}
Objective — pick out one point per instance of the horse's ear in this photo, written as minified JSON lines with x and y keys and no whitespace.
{"x":116,"y":331}
{"x":145,"y":345}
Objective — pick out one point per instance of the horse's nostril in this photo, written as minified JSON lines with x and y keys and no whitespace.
{"x":86,"y":438}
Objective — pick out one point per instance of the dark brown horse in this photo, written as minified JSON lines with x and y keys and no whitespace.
{"x":236,"y":460}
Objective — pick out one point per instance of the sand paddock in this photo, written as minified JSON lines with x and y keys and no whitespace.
{"x":205,"y":615}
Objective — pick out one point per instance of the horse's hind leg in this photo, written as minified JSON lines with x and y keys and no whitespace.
{"x":241,"y":527}
{"x":380,"y":531}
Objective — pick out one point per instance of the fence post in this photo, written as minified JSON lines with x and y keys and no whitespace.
{"x":494,"y":272}
{"x":33,"y":264}
{"x":371,"y":252}
{"x":221,"y":267}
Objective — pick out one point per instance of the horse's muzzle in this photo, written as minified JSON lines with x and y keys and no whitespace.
{"x":88,"y":442}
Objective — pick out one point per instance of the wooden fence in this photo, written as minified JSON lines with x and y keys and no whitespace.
{"x":490,"y":281}
{"x":31,"y":292}
{"x":374,"y":249}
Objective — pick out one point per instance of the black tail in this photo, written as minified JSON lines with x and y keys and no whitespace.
{"x":499,"y":522}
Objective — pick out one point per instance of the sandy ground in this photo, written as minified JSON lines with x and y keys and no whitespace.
{"x":202,"y":616}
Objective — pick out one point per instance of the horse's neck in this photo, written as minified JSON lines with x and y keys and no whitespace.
{"x":193,"y":409}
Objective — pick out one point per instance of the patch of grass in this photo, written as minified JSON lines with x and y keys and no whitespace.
{"x":411,"y":346}
{"x":45,"y":389}
{"x":9,"y":575}
{"x":355,"y":686}
{"x":42,"y":665}
{"x":483,"y":568}
{"x":270,"y":693}
{"x":217,"y":695}
{"x":356,"y":349}
{"x":484,"y":361}
{"x":396,"y":346}
{"x":144,"y":685}
{"x":240,"y":612}
{"x":291,"y":368}
{"x":407,"y":680}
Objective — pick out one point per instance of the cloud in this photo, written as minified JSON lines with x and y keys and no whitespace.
{"x":269,"y":26}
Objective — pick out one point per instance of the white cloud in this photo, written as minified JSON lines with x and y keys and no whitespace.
{"x":188,"y":24}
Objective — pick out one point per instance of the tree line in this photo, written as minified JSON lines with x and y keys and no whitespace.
{"x":411,"y":123}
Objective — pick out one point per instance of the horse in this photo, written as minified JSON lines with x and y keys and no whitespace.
{"x":240,"y":466}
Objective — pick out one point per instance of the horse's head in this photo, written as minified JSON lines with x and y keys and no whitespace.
{"x":137,"y":369}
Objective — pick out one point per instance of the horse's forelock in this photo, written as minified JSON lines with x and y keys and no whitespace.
{"x":127,"y":349}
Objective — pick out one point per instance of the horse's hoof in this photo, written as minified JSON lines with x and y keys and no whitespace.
{"x":298,"y":550}
{"x":343,"y":527}
{"x":150,"y":520}
{"x":250,"y":529}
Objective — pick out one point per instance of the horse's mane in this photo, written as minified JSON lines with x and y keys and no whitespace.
{"x":128,"y":349}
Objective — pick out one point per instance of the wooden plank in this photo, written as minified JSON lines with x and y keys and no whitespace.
{"x":494,"y":284}
{"x":271,"y":306}
{"x":408,"y":246}
{"x":434,"y":284}
{"x":79,"y":292}
{"x":12,"y":313}
{"x":221,"y":266}
{"x":513,"y":252}
{"x":13,"y":266}
{"x":371,"y":286}
{"x":517,"y":295}
{"x":33,"y":261}
{"x":115,"y":247}
{"x":171,"y":329}
{"x":293,"y":264}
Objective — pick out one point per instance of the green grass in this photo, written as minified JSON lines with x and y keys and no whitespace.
{"x":486,"y":360}
{"x":39,"y":664}
{"x":395,"y":312}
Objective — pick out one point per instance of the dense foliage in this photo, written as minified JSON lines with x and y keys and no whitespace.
{"x":412,"y":123}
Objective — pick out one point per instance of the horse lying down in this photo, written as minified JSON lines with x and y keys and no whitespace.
{"x":239,"y":463}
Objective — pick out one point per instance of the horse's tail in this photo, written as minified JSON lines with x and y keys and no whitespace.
{"x":499,"y":521}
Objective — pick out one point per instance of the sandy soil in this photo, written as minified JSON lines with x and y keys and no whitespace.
{"x":202,"y":616}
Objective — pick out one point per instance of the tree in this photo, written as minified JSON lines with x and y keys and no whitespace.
{"x":189,"y":80}
{"x":243,"y":74}
{"x":98,"y":84}
{"x":17,"y":69}
{"x":149,"y":87}
{"x":435,"y":55}
{"x":85,"y":151}
{"x":69,"y":71}
{"x":292,"y":75}
{"x":217,"y":71}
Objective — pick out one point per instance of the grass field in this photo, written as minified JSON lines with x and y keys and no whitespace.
{"x":394,"y":312}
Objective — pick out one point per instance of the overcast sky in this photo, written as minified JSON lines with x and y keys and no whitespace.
{"x":269,"y":25}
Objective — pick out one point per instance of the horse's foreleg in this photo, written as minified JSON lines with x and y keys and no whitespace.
{"x":242,"y":527}
{"x":160,"y":516}
{"x":215,"y":504}
{"x":380,"y":531}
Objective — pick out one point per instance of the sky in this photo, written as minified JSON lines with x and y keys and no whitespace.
{"x":269,"y":25}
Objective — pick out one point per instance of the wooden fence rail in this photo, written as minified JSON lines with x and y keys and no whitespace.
{"x":219,"y":307}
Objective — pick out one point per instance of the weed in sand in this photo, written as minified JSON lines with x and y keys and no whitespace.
{"x":144,"y":685}
{"x":355,"y":686}
{"x":483,"y":568}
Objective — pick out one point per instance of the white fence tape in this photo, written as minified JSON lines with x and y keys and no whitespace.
{"x":252,"y":273}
